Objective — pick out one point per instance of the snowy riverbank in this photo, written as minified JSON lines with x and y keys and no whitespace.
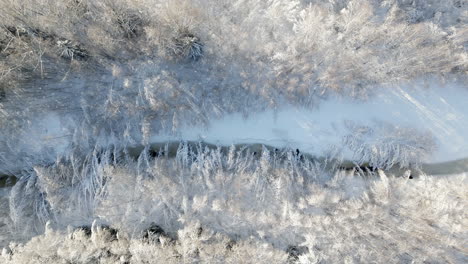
{"x":392,"y":115}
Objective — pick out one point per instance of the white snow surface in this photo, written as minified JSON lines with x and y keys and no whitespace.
{"x":434,"y":107}
{"x":229,"y":208}
{"x":438,"y":108}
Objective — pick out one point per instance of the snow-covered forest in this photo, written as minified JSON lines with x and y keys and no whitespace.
{"x":240,"y":131}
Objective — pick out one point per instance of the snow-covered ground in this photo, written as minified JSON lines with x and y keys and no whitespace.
{"x":425,"y":106}
{"x":214,"y":191}
{"x":429,"y":107}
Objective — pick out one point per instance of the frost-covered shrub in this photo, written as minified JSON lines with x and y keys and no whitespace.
{"x":215,"y":206}
{"x":384,"y":145}
{"x":71,"y":50}
{"x":328,"y":44}
{"x":444,"y":13}
{"x":131,"y":24}
{"x":28,"y":207}
{"x":187,"y":46}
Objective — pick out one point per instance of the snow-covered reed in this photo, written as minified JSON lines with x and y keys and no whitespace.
{"x":218,"y":205}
